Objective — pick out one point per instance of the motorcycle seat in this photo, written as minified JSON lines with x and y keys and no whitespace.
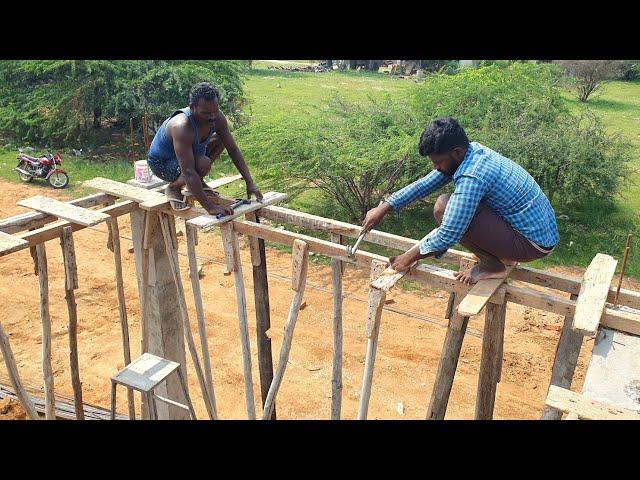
{"x":34,"y":159}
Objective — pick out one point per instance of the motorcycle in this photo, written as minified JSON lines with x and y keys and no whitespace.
{"x":46,"y":166}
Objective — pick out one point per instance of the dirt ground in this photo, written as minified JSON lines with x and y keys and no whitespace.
{"x":406,"y":361}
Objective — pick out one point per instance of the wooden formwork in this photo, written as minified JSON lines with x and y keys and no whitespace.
{"x":588,"y":307}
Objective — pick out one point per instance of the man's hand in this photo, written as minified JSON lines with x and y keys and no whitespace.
{"x":213,"y":209}
{"x":404,"y":261}
{"x":252,"y":189}
{"x":375,"y":216}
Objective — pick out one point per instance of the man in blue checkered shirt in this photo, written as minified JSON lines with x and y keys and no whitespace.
{"x":497,"y":210}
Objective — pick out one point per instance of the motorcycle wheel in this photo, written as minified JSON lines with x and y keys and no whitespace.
{"x":23,"y":177}
{"x":58,"y":180}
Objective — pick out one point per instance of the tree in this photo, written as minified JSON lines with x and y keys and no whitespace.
{"x":589,"y":75}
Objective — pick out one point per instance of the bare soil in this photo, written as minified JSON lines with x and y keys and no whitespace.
{"x":406,"y":361}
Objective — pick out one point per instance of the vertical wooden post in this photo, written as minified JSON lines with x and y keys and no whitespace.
{"x":47,"y":370}
{"x":263,"y":317}
{"x":232,"y":253}
{"x":299,"y":260}
{"x":161,"y":321}
{"x":190,"y":233}
{"x":564,"y":363}
{"x":448,"y":359}
{"x":376,"y":302}
{"x":166,"y":226}
{"x":114,"y":232}
{"x":337,"y":269}
{"x":71,"y":283}
{"x":12,"y":370}
{"x":491,"y":362}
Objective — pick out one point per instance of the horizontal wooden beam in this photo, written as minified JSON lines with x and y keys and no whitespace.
{"x":64,"y":211}
{"x":585,"y":408}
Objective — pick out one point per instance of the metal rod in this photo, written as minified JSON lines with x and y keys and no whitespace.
{"x":624,"y":264}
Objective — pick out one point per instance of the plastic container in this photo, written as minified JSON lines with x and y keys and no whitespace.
{"x":142,"y":172}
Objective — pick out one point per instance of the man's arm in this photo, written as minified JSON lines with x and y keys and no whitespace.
{"x":418,"y":189}
{"x":236,"y":155}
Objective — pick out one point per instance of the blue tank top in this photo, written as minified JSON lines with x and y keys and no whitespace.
{"x":162,"y":149}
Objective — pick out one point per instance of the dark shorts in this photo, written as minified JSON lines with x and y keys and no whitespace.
{"x":493,"y":234}
{"x":167,"y":170}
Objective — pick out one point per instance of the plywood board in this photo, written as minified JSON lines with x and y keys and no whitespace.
{"x":269,"y":198}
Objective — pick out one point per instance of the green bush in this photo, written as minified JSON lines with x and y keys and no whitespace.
{"x":61,"y":101}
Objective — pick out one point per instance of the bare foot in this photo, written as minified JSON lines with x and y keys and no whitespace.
{"x":482,"y":271}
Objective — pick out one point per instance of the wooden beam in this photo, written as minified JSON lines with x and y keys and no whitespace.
{"x":71,"y":283}
{"x":336,"y":374}
{"x":372,"y":329}
{"x":491,"y":360}
{"x":122,"y":306}
{"x":10,"y":244}
{"x":162,"y":202}
{"x":65,"y":211}
{"x":585,"y":408}
{"x":232,"y":254}
{"x":123,"y":190}
{"x":175,"y":270}
{"x":202,"y":329}
{"x":206,"y":221}
{"x":593,"y":294}
{"x":299,"y":266}
{"x":14,"y":377}
{"x":47,"y":370}
{"x":479,"y":295}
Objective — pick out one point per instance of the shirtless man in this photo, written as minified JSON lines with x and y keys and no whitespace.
{"x":497,"y":210}
{"x":185,"y":146}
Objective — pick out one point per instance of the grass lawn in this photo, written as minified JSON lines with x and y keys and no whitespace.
{"x":275,"y":95}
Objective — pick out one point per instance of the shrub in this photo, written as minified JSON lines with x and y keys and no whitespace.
{"x":587,"y":76}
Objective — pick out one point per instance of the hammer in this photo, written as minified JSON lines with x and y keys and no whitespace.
{"x":351,"y":251}
{"x":237,"y":203}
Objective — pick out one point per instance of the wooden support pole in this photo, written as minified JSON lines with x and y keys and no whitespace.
{"x":232,"y":254}
{"x":263,"y":313}
{"x":175,"y":269}
{"x":450,"y":302}
{"x":374,"y":313}
{"x":491,"y":361}
{"x":47,"y":370}
{"x":564,"y":362}
{"x":448,"y":358}
{"x":299,"y":260}
{"x":191,"y":233}
{"x":12,"y":370}
{"x":114,"y":234}
{"x":337,"y":269}
{"x":71,"y":283}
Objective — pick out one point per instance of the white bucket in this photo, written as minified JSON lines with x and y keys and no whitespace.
{"x":142,"y":173}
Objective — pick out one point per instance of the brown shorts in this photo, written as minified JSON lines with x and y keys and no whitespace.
{"x":492,"y":234}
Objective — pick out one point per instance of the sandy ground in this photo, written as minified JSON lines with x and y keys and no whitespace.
{"x":406,"y":361}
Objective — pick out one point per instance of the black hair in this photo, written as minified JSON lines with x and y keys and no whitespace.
{"x":203,"y":90}
{"x":441,"y":136}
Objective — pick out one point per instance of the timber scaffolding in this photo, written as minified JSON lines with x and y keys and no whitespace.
{"x":164,"y":310}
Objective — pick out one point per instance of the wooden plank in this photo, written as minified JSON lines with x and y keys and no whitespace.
{"x":10,"y":244}
{"x":299,"y":266}
{"x":480,"y":294}
{"x":564,"y":362}
{"x":122,"y":307}
{"x":122,"y":190}
{"x":585,"y":408}
{"x":232,"y":254}
{"x":269,"y":198}
{"x":374,"y":314}
{"x":164,"y":201}
{"x":491,"y":360}
{"x":14,"y":377}
{"x":65,"y":211}
{"x":202,"y":331}
{"x":71,"y":283}
{"x":336,"y":373}
{"x":593,"y":294}
{"x":47,"y":370}
{"x":186,"y":326}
